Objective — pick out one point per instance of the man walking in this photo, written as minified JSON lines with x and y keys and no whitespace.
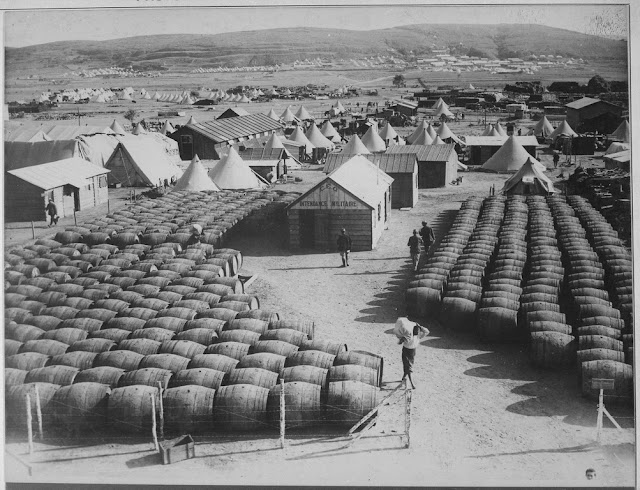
{"x":414,"y":249}
{"x":344,"y":247}
{"x":52,"y":211}
{"x":409,"y":335}
{"x":556,"y":158}
{"x":428,"y":238}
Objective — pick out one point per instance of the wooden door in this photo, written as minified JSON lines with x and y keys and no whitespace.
{"x":307,"y":228}
{"x":323,"y":238}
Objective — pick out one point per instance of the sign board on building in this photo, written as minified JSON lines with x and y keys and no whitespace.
{"x":329,"y":195}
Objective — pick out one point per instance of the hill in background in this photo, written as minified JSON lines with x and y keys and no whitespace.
{"x":183,"y":52}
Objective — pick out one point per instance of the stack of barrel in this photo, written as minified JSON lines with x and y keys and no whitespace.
{"x":600,"y":352}
{"x":551,"y":341}
{"x":498,"y":312}
{"x":464,"y":289}
{"x":94,"y":313}
{"x":425,"y":292}
{"x":616,"y":260}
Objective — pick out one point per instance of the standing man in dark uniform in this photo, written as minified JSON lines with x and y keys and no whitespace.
{"x":428,"y":238}
{"x":344,"y":247}
{"x":52,"y":211}
{"x":414,"y":249}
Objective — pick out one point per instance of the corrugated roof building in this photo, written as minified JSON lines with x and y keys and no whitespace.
{"x":587,"y":115}
{"x":437,"y":164}
{"x":72,"y":184}
{"x":204,"y":139}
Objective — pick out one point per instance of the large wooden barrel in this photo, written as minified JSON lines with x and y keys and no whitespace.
{"x":95,"y":344}
{"x":232,"y":282}
{"x":11,"y":347}
{"x":184,"y":348}
{"x":599,"y":342}
{"x":352,"y":372}
{"x":104,"y":374}
{"x":189,"y":408}
{"x":306,"y":327}
{"x":423,"y":301}
{"x":122,"y":359}
{"x":43,"y":322}
{"x":97,"y":314}
{"x":274,"y":347}
{"x":607,"y":321}
{"x":208,"y":298}
{"x":130,"y":408}
{"x":49,"y":298}
{"x":251,"y":324}
{"x":141,"y":346}
{"x":66,"y":335}
{"x":235,"y":350}
{"x":139,"y":313}
{"x":219,"y":289}
{"x":243,"y":336}
{"x":263,"y":360}
{"x":549,"y":326}
{"x":599,"y":330}
{"x":81,"y":406}
{"x":361,"y":359}
{"x":146,"y":376}
{"x":253,"y":376}
{"x":302,"y":404}
{"x":18,"y":315}
{"x":305,"y":373}
{"x":599,"y":354}
{"x":44,"y":346}
{"x":205,"y":323}
{"x":213,"y":361}
{"x":349,"y":401}
{"x":89,"y":325}
{"x":457,"y":313}
{"x":331,"y":347}
{"x":241,"y":408}
{"x":154,"y":333}
{"x":316,"y":358}
{"x":288,"y":335}
{"x":59,"y":375}
{"x":552,"y":349}
{"x":13,"y":377}
{"x":114,"y":334}
{"x":78,"y":359}
{"x":499,"y":324}
{"x":203,"y":336}
{"x":22,"y":332}
{"x":171,"y":362}
{"x":15,"y":404}
{"x":185,"y":314}
{"x":209,"y":378}
{"x":167,"y":322}
{"x":621,"y":373}
{"x":26,"y":361}
{"x":218,"y":313}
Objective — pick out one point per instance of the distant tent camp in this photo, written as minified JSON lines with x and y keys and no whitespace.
{"x":26,"y":135}
{"x":373,"y":141}
{"x":622,"y":133}
{"x":117,"y":128}
{"x":288,"y":116}
{"x":500,"y":129}
{"x":272,"y":114}
{"x":446,"y":134}
{"x":330,"y":132}
{"x":303,"y":114}
{"x":317,"y":139}
{"x":563,"y":130}
{"x":125,"y":96}
{"x":299,"y":137}
{"x":140,"y":162}
{"x":529,"y":180}
{"x":355,"y":146}
{"x":418,"y":131}
{"x":195,"y":179}
{"x":510,"y":158}
{"x":542,"y":128}
{"x":231,"y":172}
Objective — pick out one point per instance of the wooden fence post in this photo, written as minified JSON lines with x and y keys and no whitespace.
{"x":282,"y":414}
{"x":39,"y":414}
{"x":161,"y":410}
{"x":29,"y":422}
{"x":153,"y":422}
{"x":33,"y":231}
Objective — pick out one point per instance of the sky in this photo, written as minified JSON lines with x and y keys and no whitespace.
{"x":29,"y":27}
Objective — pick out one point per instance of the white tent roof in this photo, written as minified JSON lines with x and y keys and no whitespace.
{"x":363,"y":179}
{"x":233,"y":173}
{"x":303,"y":114}
{"x":543,"y":128}
{"x":117,"y":128}
{"x":431,"y":131}
{"x":299,"y":137}
{"x":317,"y":139}
{"x":272,"y":114}
{"x":445,"y":133}
{"x":443,"y":110}
{"x":500,"y":129}
{"x":167,"y":128}
{"x":622,"y":132}
{"x":387,"y":132}
{"x":330,"y":132}
{"x":373,"y":141}
{"x":488,"y":130}
{"x":421,"y":127}
{"x":440,"y":103}
{"x":195,"y":178}
{"x":563,"y":130}
{"x":355,"y":146}
{"x":510,"y":158}
{"x":273,"y":142}
{"x":338,"y":105}
{"x":529,"y":173}
{"x":438,"y":141}
{"x":288,"y":116}
{"x":192,"y":120}
{"x":617,"y":146}
{"x":139,"y":129}
{"x":423,"y":139}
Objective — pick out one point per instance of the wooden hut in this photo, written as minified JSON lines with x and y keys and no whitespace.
{"x":437,"y":164}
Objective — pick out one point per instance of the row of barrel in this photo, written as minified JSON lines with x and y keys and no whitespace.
{"x":153,"y":316}
{"x":515,"y":269}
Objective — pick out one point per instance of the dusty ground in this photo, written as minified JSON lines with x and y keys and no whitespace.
{"x":482,"y":415}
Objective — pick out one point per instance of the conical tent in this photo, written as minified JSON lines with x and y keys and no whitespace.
{"x":330,"y":132}
{"x":288,"y":116}
{"x":273,"y":142}
{"x":487,"y":131}
{"x":617,"y":146}
{"x":494,"y":132}
{"x":125,"y":96}
{"x":500,"y":129}
{"x":443,"y":111}
{"x":147,"y":96}
{"x":431,"y":131}
{"x":272,"y":114}
{"x":445,"y":133}
{"x":529,"y":175}
{"x":622,"y":133}
{"x":192,"y":121}
{"x":139,"y":129}
{"x":471,"y":87}
{"x":303,"y":114}
{"x":438,"y":141}
{"x":299,"y":137}
{"x":167,"y":128}
{"x":440,"y":103}
{"x":339,"y":106}
{"x":542,"y":128}
{"x":510,"y":157}
{"x":244,"y":99}
{"x":233,"y":173}
{"x":373,"y":141}
{"x":563,"y":130}
{"x":421,"y":127}
{"x":195,"y":179}
{"x":317,"y":139}
{"x":423,"y":139}
{"x":355,"y":146}
{"x":116,"y":128}
{"x":388,"y":133}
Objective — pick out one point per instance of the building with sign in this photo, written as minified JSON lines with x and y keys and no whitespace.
{"x":356,"y":196}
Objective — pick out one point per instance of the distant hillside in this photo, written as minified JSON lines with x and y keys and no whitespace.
{"x":265,"y":47}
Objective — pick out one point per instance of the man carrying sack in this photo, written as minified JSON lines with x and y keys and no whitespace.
{"x":409,"y":335}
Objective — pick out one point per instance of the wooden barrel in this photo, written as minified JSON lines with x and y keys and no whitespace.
{"x":153,"y":333}
{"x":114,"y":334}
{"x":546,"y":316}
{"x":302,"y":405}
{"x":621,"y":373}
{"x":189,"y":408}
{"x":77,"y":359}
{"x":80,"y":406}
{"x":130,"y":408}
{"x":177,"y":312}
{"x":252,"y":376}
{"x":235,"y":350}
{"x":49,"y":298}
{"x":208,"y":298}
{"x":219,"y":289}
{"x":122,"y":359}
{"x":274,"y":347}
{"x":361,"y":358}
{"x":203,"y":336}
{"x":13,"y":377}
{"x":498,"y":324}
{"x":106,"y":375}
{"x":288,"y":335}
{"x":66,"y":335}
{"x":599,"y":342}
{"x":96,"y":345}
{"x":58,"y":374}
{"x":18,"y":315}
{"x":206,"y":323}
{"x":43,"y":322}
{"x":589,"y":300}
{"x":137,"y":312}
{"x":112,"y":304}
{"x":251,"y":300}
{"x":457,"y":313}
{"x":316,"y":358}
{"x":549,"y":326}
{"x":305,"y":373}
{"x":541,"y":288}
{"x":47,"y":347}
{"x":11,"y":347}
{"x":244,"y":336}
{"x":349,"y":401}
{"x":213,"y":361}
{"x":184,"y":348}
{"x":209,"y":378}
{"x":352,"y":372}
{"x":599,"y":330}
{"x":231,"y":282}
{"x":15,"y":404}
{"x":241,"y":407}
{"x":499,"y":302}
{"x":264,"y":360}
{"x":219,"y":313}
{"x":527,"y":308}
{"x":147,"y":377}
{"x":552,"y":349}
{"x":589,"y":310}
{"x":599,"y":354}
{"x":174,"y":324}
{"x":26,"y":361}
{"x":423,"y":301}
{"x":141,"y":346}
{"x":171,"y":362}
{"x":22,"y":332}
{"x":125,"y":323}
{"x":251,"y":324}
{"x":78,"y":303}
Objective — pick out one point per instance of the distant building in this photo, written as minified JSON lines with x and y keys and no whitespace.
{"x":437,"y":164}
{"x":481,"y":148}
{"x":587,"y":115}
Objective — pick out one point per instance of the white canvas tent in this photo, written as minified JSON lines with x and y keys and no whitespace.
{"x":529,"y":180}
{"x":299,"y":137}
{"x":231,"y":172}
{"x":510,"y":158}
{"x":330,"y":132}
{"x":542,"y":128}
{"x":563,"y":130}
{"x":195,"y":179}
{"x":373,"y":141}
{"x":355,"y":146}
{"x":317,"y":139}
{"x":622,"y":132}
